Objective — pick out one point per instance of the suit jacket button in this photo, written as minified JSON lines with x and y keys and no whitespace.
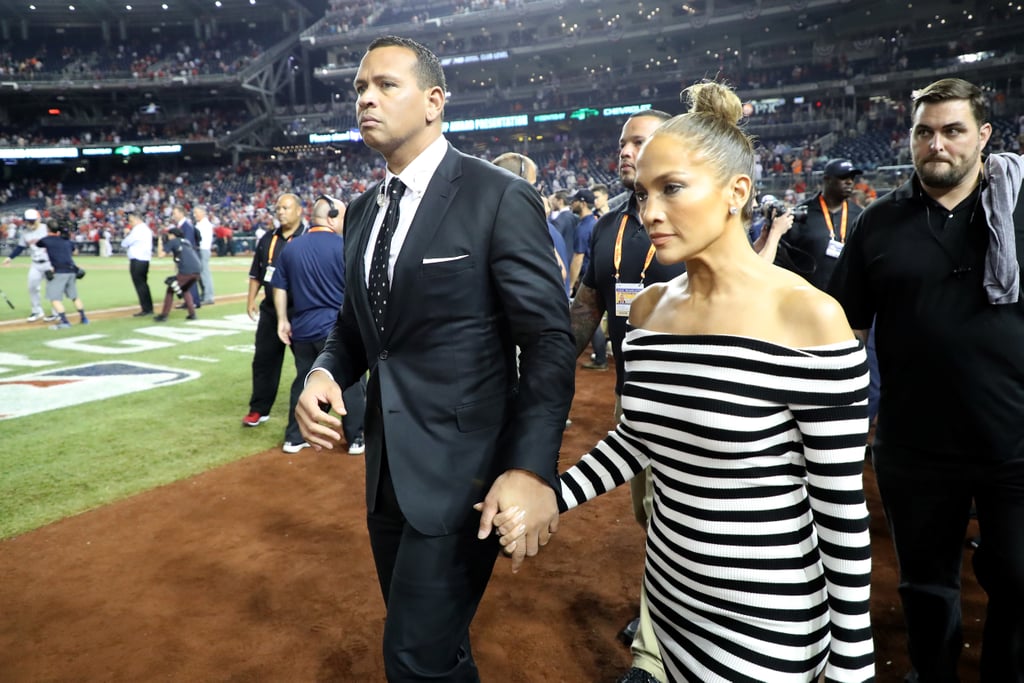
{"x":383,"y":355}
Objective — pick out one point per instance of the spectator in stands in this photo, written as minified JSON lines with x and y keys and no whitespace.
{"x":935,"y":264}
{"x":204,"y":229}
{"x":138,"y":246}
{"x":269,"y":352}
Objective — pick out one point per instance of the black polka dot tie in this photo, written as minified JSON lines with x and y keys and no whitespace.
{"x":379,"y":286}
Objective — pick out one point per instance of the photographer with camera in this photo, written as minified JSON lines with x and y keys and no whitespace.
{"x":63,"y":272}
{"x":821,"y":226}
{"x":776,"y":221}
{"x":181,"y":285}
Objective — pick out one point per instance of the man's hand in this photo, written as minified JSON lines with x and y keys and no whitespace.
{"x":536,"y":516}
{"x":319,"y":428}
{"x":284,"y":331}
{"x":253,"y":309}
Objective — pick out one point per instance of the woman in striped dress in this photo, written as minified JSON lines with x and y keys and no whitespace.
{"x":746,"y":392}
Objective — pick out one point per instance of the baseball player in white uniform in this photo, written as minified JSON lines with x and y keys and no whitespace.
{"x":33,"y":231}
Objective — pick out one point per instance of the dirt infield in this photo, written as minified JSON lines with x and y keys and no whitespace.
{"x":260,"y":571}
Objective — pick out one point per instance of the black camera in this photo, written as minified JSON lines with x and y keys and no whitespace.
{"x":772,"y":206}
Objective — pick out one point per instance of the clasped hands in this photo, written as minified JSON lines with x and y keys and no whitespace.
{"x":521,"y":508}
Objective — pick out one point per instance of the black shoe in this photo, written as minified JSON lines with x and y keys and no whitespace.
{"x":190,"y":317}
{"x":637,"y":675}
{"x":142,"y":314}
{"x":627,"y":634}
{"x":160,"y":318}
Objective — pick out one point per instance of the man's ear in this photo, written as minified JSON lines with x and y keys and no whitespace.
{"x":435,"y":103}
{"x":985,"y":132}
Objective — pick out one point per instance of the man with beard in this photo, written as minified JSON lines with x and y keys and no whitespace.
{"x":622,"y":263}
{"x":936,"y":264}
{"x":820,"y":238}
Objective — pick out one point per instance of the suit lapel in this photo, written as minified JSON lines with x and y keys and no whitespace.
{"x":438,"y":197}
{"x":362,"y":212}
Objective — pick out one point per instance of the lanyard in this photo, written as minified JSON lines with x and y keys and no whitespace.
{"x":319,"y":228}
{"x":273,"y":241}
{"x":828,"y":220}
{"x":618,"y":251}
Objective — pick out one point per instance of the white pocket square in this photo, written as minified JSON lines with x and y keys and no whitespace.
{"x":443,"y":259}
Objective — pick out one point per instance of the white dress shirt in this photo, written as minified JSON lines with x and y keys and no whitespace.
{"x":138,"y":243}
{"x":415,"y":177}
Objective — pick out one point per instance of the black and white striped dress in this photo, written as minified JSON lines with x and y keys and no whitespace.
{"x":758,"y":557}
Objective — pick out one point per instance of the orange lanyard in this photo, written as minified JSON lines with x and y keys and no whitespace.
{"x":319,"y":228}
{"x":273,"y":241}
{"x":618,"y":251}
{"x":270,"y":254}
{"x":828,"y":220}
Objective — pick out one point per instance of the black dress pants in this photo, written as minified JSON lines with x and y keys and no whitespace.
{"x":927,"y":499}
{"x":139,"y":270}
{"x":432,"y":586}
{"x":305,"y":354}
{"x":266,"y":361}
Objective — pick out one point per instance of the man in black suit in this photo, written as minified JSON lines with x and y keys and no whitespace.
{"x":436,"y":310}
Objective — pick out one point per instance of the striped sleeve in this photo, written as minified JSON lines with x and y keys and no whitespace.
{"x":613,"y":461}
{"x":832,"y":420}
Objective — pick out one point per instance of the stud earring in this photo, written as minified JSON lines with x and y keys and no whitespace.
{"x":733,"y":210}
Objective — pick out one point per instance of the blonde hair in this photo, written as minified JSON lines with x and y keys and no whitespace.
{"x":710,"y":126}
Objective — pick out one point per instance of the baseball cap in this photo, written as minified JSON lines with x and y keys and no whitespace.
{"x":583,"y":195}
{"x":841,"y":168}
{"x":31,"y":215}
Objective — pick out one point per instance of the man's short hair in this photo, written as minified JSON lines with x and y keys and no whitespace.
{"x":948,"y":89}
{"x":429,"y":73}
{"x":656,"y":113}
{"x":515,"y":162}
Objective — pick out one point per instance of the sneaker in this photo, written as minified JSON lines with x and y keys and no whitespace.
{"x":190,"y":317}
{"x":60,"y":326}
{"x":85,"y":321}
{"x":357,"y":447}
{"x":142,"y":314}
{"x":160,"y":318}
{"x":254,"y":418}
{"x":595,"y":366}
{"x":50,"y":318}
{"x":34,"y":317}
{"x":290,"y":447}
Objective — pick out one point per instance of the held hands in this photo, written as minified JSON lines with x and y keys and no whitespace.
{"x":312,"y":411}
{"x":522,"y":508}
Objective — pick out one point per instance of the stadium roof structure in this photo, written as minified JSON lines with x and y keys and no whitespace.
{"x":79,"y":13}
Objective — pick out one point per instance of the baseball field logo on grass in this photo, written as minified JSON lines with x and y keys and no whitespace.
{"x":65,"y":387}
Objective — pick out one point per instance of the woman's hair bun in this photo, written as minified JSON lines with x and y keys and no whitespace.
{"x":714,"y":99}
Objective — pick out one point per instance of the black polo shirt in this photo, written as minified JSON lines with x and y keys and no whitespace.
{"x":262,"y":258}
{"x":951,"y":363}
{"x":600,"y":273}
{"x":810,"y":239}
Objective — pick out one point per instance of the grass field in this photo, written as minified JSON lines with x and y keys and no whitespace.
{"x":88,"y":431}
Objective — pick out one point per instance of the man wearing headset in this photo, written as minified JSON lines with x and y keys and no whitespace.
{"x":311,"y":272}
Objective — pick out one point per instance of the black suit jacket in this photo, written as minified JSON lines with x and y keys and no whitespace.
{"x":476,"y":278}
